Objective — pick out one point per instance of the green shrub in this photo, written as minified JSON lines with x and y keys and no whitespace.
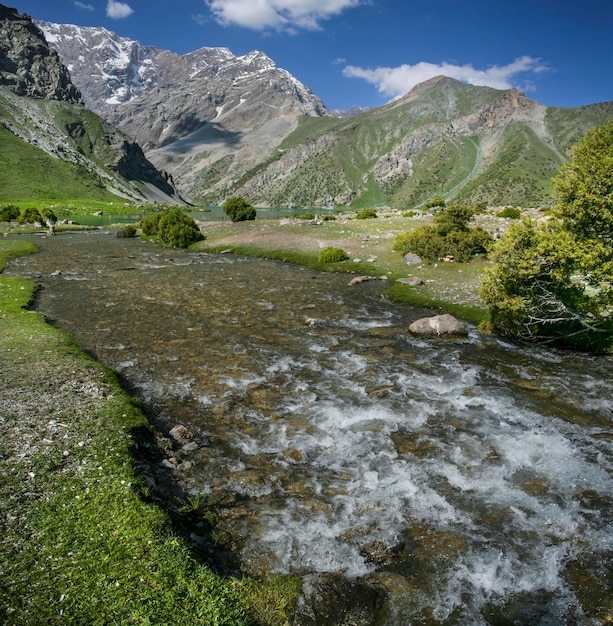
{"x":149,"y":224}
{"x":409,"y":214}
{"x":305,"y":216}
{"x":510,"y":212}
{"x":421,"y":241}
{"x":127,"y":231}
{"x":8,"y":213}
{"x":366,"y":214}
{"x":172,"y":227}
{"x":454,"y":217}
{"x":332,"y":255}
{"x":48,"y":215}
{"x":328,"y":218}
{"x":450,"y":236}
{"x":238,"y":209}
{"x":29,"y":216}
{"x":439,"y":201}
{"x":464,"y":245}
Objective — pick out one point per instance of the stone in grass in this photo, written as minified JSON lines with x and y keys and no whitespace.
{"x":411,"y":280}
{"x":439,"y":326}
{"x":412,"y":259}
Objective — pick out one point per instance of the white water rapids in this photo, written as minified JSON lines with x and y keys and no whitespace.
{"x":461,"y":476}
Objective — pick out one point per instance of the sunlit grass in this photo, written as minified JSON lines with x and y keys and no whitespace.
{"x":82,"y":539}
{"x":447,"y":287}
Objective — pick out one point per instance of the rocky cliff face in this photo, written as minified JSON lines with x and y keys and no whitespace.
{"x":112,"y":71}
{"x":40,"y":105}
{"x":27,"y":65}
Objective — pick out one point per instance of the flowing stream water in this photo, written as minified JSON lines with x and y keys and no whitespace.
{"x":472,"y":480}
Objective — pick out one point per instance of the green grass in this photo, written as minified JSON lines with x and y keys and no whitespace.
{"x":83,"y":540}
{"x":449,"y":287}
{"x":27,"y":174}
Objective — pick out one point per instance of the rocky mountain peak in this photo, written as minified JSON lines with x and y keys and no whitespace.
{"x":113,"y":71}
{"x":27,"y":65}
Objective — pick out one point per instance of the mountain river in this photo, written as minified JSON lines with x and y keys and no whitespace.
{"x":472,"y":480}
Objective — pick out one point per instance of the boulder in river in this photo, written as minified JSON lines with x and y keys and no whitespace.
{"x":332,"y":600}
{"x":439,"y":326}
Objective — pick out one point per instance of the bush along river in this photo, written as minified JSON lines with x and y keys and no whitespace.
{"x":451,"y":482}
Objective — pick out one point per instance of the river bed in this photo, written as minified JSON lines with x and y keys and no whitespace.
{"x":470,"y":480}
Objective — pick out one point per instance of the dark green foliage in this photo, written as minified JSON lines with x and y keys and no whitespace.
{"x":439,"y":201}
{"x":450,"y":236}
{"x":305,"y":216}
{"x":8,"y":213}
{"x":328,"y":218}
{"x":333,"y":255}
{"x":149,"y":224}
{"x":554,"y":282}
{"x":366,"y":214}
{"x":454,"y":217}
{"x":172,"y":227}
{"x":29,"y":216}
{"x":584,"y":187}
{"x":238,"y":209}
{"x":510,"y":212}
{"x":48,"y":215}
{"x":127,"y":231}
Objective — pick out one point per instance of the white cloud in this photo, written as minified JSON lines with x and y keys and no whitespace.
{"x":83,"y":6}
{"x":396,"y":81}
{"x":288,"y":15}
{"x":118,"y":10}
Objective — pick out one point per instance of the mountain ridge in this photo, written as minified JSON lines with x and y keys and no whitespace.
{"x":225,"y":125}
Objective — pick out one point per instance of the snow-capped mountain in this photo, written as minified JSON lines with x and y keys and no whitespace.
{"x":190,"y":111}
{"x":111,"y":70}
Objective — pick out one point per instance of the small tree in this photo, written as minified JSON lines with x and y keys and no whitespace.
{"x":29,"y":216}
{"x":49,"y":216}
{"x":238,"y":209}
{"x":435,"y":203}
{"x":450,"y":235}
{"x":454,"y":217}
{"x":172,"y":227}
{"x":8,"y":213}
{"x":554,"y":282}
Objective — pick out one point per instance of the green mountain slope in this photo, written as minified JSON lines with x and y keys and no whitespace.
{"x":29,"y":173}
{"x":444,"y":138}
{"x":57,"y":150}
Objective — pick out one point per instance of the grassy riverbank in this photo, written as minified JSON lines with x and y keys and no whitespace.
{"x":84,"y":538}
{"x":447,"y":287}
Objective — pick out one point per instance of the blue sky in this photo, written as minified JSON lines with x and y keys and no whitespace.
{"x":365,"y":52}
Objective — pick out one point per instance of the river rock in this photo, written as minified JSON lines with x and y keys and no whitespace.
{"x":412,"y":259}
{"x":180,"y":434}
{"x":333,"y":600}
{"x":439,"y":326}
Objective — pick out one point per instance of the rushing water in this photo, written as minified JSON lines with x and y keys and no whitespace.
{"x":472,"y":480}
